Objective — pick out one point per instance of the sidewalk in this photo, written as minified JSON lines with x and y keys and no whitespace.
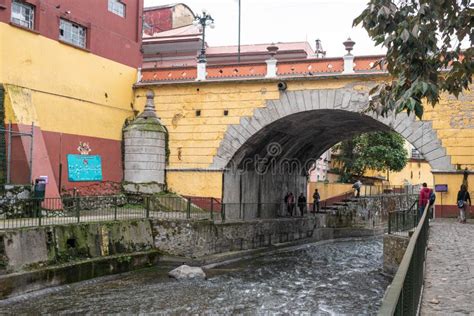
{"x":449,"y":279}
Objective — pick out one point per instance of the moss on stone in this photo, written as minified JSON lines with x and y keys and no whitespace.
{"x":143,"y":124}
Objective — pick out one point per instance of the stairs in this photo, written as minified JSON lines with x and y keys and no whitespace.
{"x":339,"y":205}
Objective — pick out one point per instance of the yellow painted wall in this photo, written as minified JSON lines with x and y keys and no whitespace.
{"x":415,"y":172}
{"x":194,"y":140}
{"x":454,"y":182}
{"x":70,"y":90}
{"x":453,"y":119}
{"x":328,"y":190}
{"x":205,"y":184}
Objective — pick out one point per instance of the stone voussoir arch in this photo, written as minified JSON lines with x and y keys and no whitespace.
{"x":419,"y":133}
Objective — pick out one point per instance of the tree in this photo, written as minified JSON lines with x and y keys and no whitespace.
{"x":380,"y":151}
{"x":424,"y":56}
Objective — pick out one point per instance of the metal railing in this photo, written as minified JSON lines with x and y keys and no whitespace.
{"x":18,"y":169}
{"x":373,"y":190}
{"x":400,"y":222}
{"x":80,"y":209}
{"x":404,"y":294}
{"x":75,"y":209}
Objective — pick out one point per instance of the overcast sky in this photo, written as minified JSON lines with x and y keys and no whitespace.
{"x":266,"y":21}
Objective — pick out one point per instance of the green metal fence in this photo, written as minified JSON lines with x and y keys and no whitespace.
{"x":402,"y":221}
{"x":404,"y":294}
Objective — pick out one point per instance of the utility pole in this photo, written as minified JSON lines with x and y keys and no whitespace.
{"x":238,"y":45}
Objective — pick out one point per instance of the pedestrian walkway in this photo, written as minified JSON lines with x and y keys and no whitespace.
{"x":449,"y":279}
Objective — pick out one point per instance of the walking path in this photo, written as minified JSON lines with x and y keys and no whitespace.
{"x":449,"y":279}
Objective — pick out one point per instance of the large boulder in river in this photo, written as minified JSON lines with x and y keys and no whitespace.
{"x":187,"y":272}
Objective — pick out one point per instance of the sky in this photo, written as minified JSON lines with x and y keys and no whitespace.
{"x":267,"y":21}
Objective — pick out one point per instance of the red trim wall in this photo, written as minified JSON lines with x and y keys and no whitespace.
{"x":59,"y":145}
{"x":443,"y":211}
{"x":51,"y":149}
{"x":108,"y":35}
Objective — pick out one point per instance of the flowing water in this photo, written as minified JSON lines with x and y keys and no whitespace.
{"x":342,"y":277}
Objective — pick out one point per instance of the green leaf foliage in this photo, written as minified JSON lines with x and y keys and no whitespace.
{"x":423,"y":39}
{"x":379,"y":151}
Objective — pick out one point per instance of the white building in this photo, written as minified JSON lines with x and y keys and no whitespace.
{"x":319,"y":171}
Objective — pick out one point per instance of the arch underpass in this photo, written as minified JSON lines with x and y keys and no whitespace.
{"x":269,"y":153}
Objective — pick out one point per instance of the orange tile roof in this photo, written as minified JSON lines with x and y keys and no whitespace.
{"x":306,"y":67}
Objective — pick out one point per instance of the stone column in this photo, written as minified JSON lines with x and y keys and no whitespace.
{"x":272,"y":62}
{"x":145,"y":152}
{"x":201,"y":71}
{"x":348,"y":58}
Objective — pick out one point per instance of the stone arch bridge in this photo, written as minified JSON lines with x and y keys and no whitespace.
{"x":226,"y":135}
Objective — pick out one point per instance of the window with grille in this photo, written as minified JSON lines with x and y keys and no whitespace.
{"x":72,"y":33}
{"x":23,"y":14}
{"x":117,"y":7}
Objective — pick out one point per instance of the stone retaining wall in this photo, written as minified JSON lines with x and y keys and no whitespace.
{"x":394,"y":248}
{"x":10,"y":196}
{"x":202,"y":238}
{"x":41,"y":246}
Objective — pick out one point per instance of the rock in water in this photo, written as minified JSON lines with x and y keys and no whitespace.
{"x":187,"y":272}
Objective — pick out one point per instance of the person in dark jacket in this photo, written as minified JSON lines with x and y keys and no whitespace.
{"x":463,"y":198}
{"x":290,"y":203}
{"x":316,"y":199}
{"x":423,"y":199}
{"x":302,"y":203}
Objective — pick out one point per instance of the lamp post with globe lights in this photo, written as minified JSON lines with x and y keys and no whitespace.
{"x":202,"y":21}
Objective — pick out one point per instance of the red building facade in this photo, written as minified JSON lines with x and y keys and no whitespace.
{"x":108,"y":34}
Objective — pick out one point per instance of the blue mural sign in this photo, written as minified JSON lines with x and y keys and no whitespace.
{"x":84,"y":168}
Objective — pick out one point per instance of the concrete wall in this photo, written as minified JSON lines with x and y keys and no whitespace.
{"x":244,"y":190}
{"x":29,"y":247}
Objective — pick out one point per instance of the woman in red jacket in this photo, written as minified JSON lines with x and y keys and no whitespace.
{"x":423,"y":199}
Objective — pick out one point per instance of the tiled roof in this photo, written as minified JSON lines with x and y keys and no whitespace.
{"x":256,"y":48}
{"x":304,"y":67}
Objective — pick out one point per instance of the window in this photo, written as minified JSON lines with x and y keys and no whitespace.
{"x":72,"y":33}
{"x":117,"y":7}
{"x":23,"y":14}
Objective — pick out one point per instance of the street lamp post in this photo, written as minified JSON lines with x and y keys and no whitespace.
{"x":202,"y":21}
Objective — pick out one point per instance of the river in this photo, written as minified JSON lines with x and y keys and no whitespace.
{"x":331,"y":278}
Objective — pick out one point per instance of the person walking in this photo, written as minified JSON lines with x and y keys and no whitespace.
{"x":302,"y":203}
{"x":316,"y":199}
{"x":290,"y":203}
{"x":287,"y":207}
{"x":357,"y":185}
{"x":423,"y":199}
{"x":431,"y":203}
{"x":463,"y":198}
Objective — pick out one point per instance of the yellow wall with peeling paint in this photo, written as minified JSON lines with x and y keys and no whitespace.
{"x":194,"y":140}
{"x":453,"y":120}
{"x":61,"y":88}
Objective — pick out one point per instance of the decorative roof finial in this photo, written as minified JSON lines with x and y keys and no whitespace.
{"x":149,"y":110}
{"x":349,"y":45}
{"x":272,"y":50}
